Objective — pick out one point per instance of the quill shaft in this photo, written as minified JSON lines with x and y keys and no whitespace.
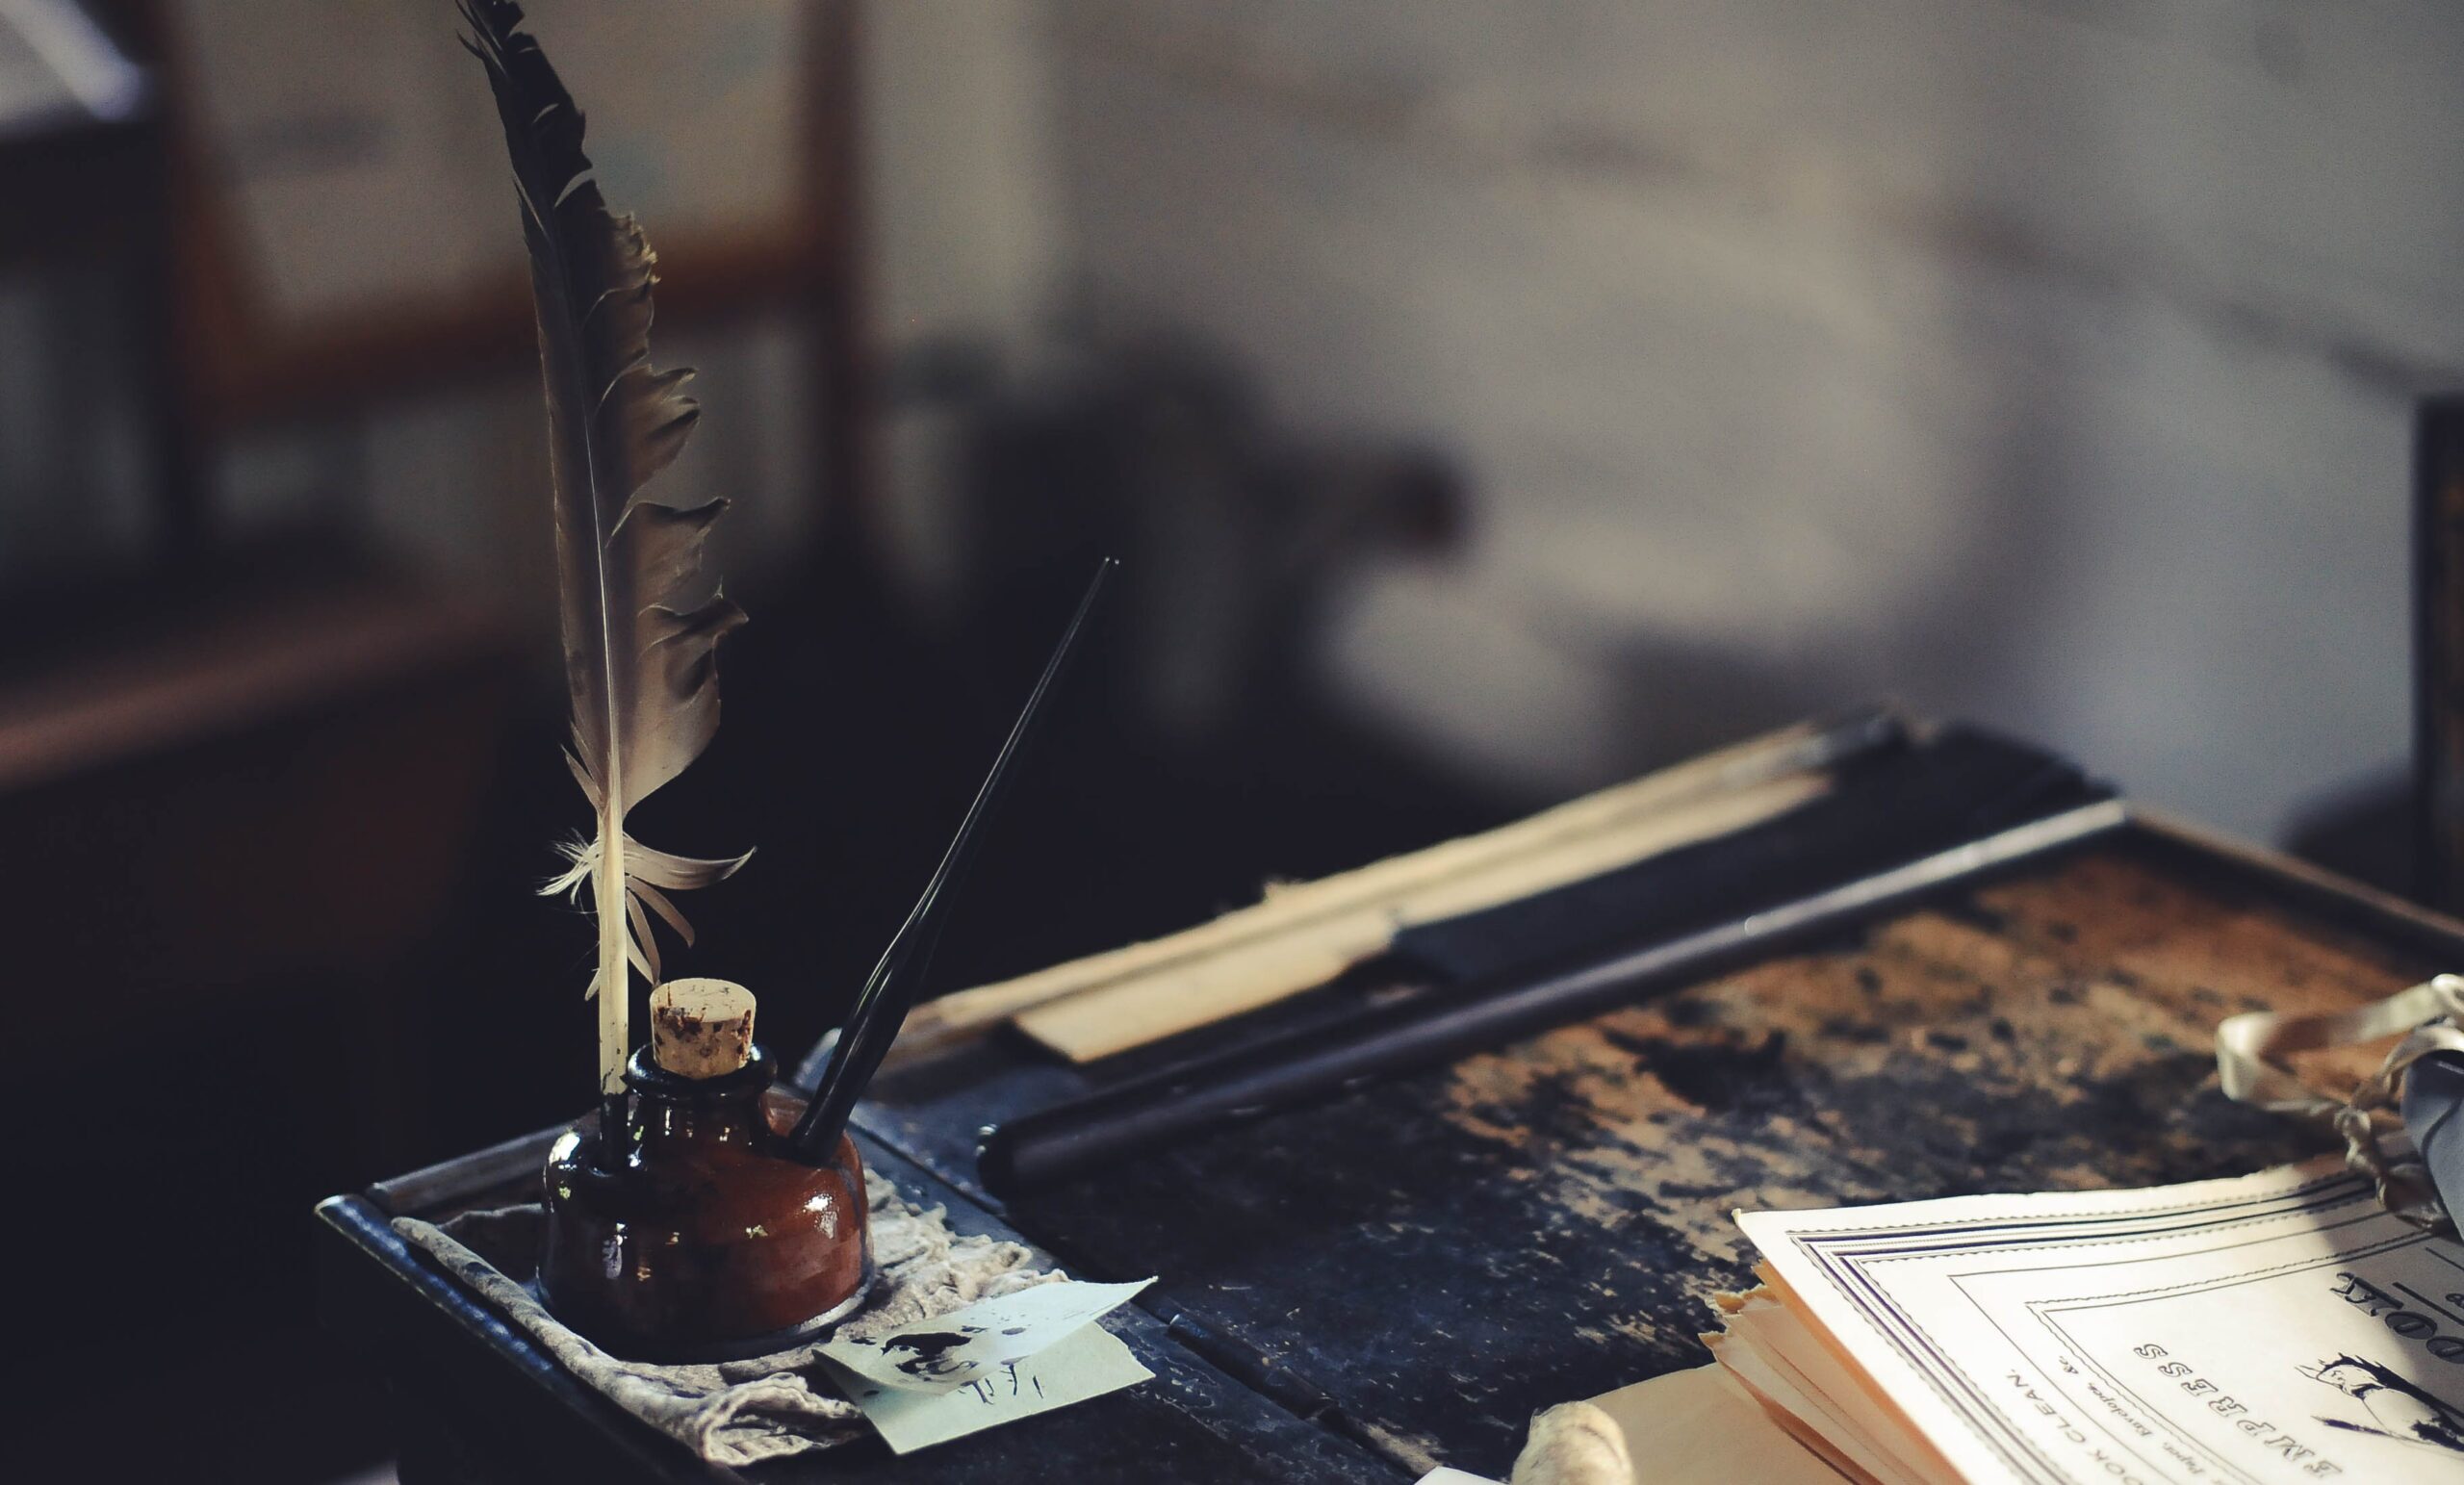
{"x":880,"y":1006}
{"x":615,"y":972}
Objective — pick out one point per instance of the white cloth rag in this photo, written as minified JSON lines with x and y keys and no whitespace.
{"x":740,"y":1411}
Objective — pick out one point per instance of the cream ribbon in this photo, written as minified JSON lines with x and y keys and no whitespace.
{"x":2250,"y":1053}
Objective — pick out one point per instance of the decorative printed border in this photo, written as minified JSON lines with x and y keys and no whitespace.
{"x":1844,"y":1256}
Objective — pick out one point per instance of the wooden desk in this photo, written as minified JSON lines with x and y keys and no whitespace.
{"x":1404,"y":1276}
{"x":479,"y":1403}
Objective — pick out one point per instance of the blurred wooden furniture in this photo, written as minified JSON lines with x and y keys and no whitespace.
{"x":232,"y":840}
{"x":243,"y":366}
{"x":274,"y":796}
{"x":88,"y":188}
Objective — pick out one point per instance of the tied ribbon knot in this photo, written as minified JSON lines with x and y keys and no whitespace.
{"x":2250,"y":1050}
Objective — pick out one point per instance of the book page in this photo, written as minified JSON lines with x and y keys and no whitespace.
{"x":1773,"y":1352}
{"x":2267,"y":1330}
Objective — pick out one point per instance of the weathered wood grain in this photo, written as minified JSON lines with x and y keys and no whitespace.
{"x":1427,"y":1263}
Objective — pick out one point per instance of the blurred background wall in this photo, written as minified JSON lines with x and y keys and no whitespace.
{"x":2041,"y":362}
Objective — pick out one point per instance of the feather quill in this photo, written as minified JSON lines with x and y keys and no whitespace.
{"x":640,"y":652}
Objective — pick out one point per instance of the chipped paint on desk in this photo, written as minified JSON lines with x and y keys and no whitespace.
{"x":1436,"y":1257}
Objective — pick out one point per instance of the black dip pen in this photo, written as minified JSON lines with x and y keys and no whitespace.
{"x":882,"y":1007}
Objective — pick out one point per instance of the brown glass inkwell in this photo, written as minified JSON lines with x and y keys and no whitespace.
{"x":703,"y":1215}
{"x":697,"y":1231}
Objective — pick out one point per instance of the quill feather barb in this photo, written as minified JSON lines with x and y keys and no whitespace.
{"x":640,"y":650}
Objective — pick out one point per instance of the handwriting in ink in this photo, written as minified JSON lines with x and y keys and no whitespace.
{"x":932,"y":1350}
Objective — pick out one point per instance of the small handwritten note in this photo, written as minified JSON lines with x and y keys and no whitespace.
{"x":1086,"y":1363}
{"x":969,"y":1345}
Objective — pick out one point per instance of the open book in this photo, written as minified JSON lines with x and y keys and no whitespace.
{"x":2264,"y":1330}
{"x":2279,"y":1327}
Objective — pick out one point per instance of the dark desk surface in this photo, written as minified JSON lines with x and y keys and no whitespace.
{"x":1403,"y":1276}
{"x":482,"y":1404}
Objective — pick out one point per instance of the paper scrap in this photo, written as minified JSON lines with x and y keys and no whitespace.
{"x":1697,"y":1427}
{"x":965,"y":1347}
{"x":1089,"y":1362}
{"x":1703,"y":1427}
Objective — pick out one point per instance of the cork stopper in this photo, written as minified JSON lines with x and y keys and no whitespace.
{"x":701,"y":1027}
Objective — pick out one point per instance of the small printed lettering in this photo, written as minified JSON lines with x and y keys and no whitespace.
{"x":2263,"y":1434}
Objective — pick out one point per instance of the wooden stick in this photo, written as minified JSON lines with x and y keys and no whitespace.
{"x":1182,"y":997}
{"x":1348,"y":913}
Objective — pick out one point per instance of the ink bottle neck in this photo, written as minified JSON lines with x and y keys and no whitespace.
{"x":666,"y":1107}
